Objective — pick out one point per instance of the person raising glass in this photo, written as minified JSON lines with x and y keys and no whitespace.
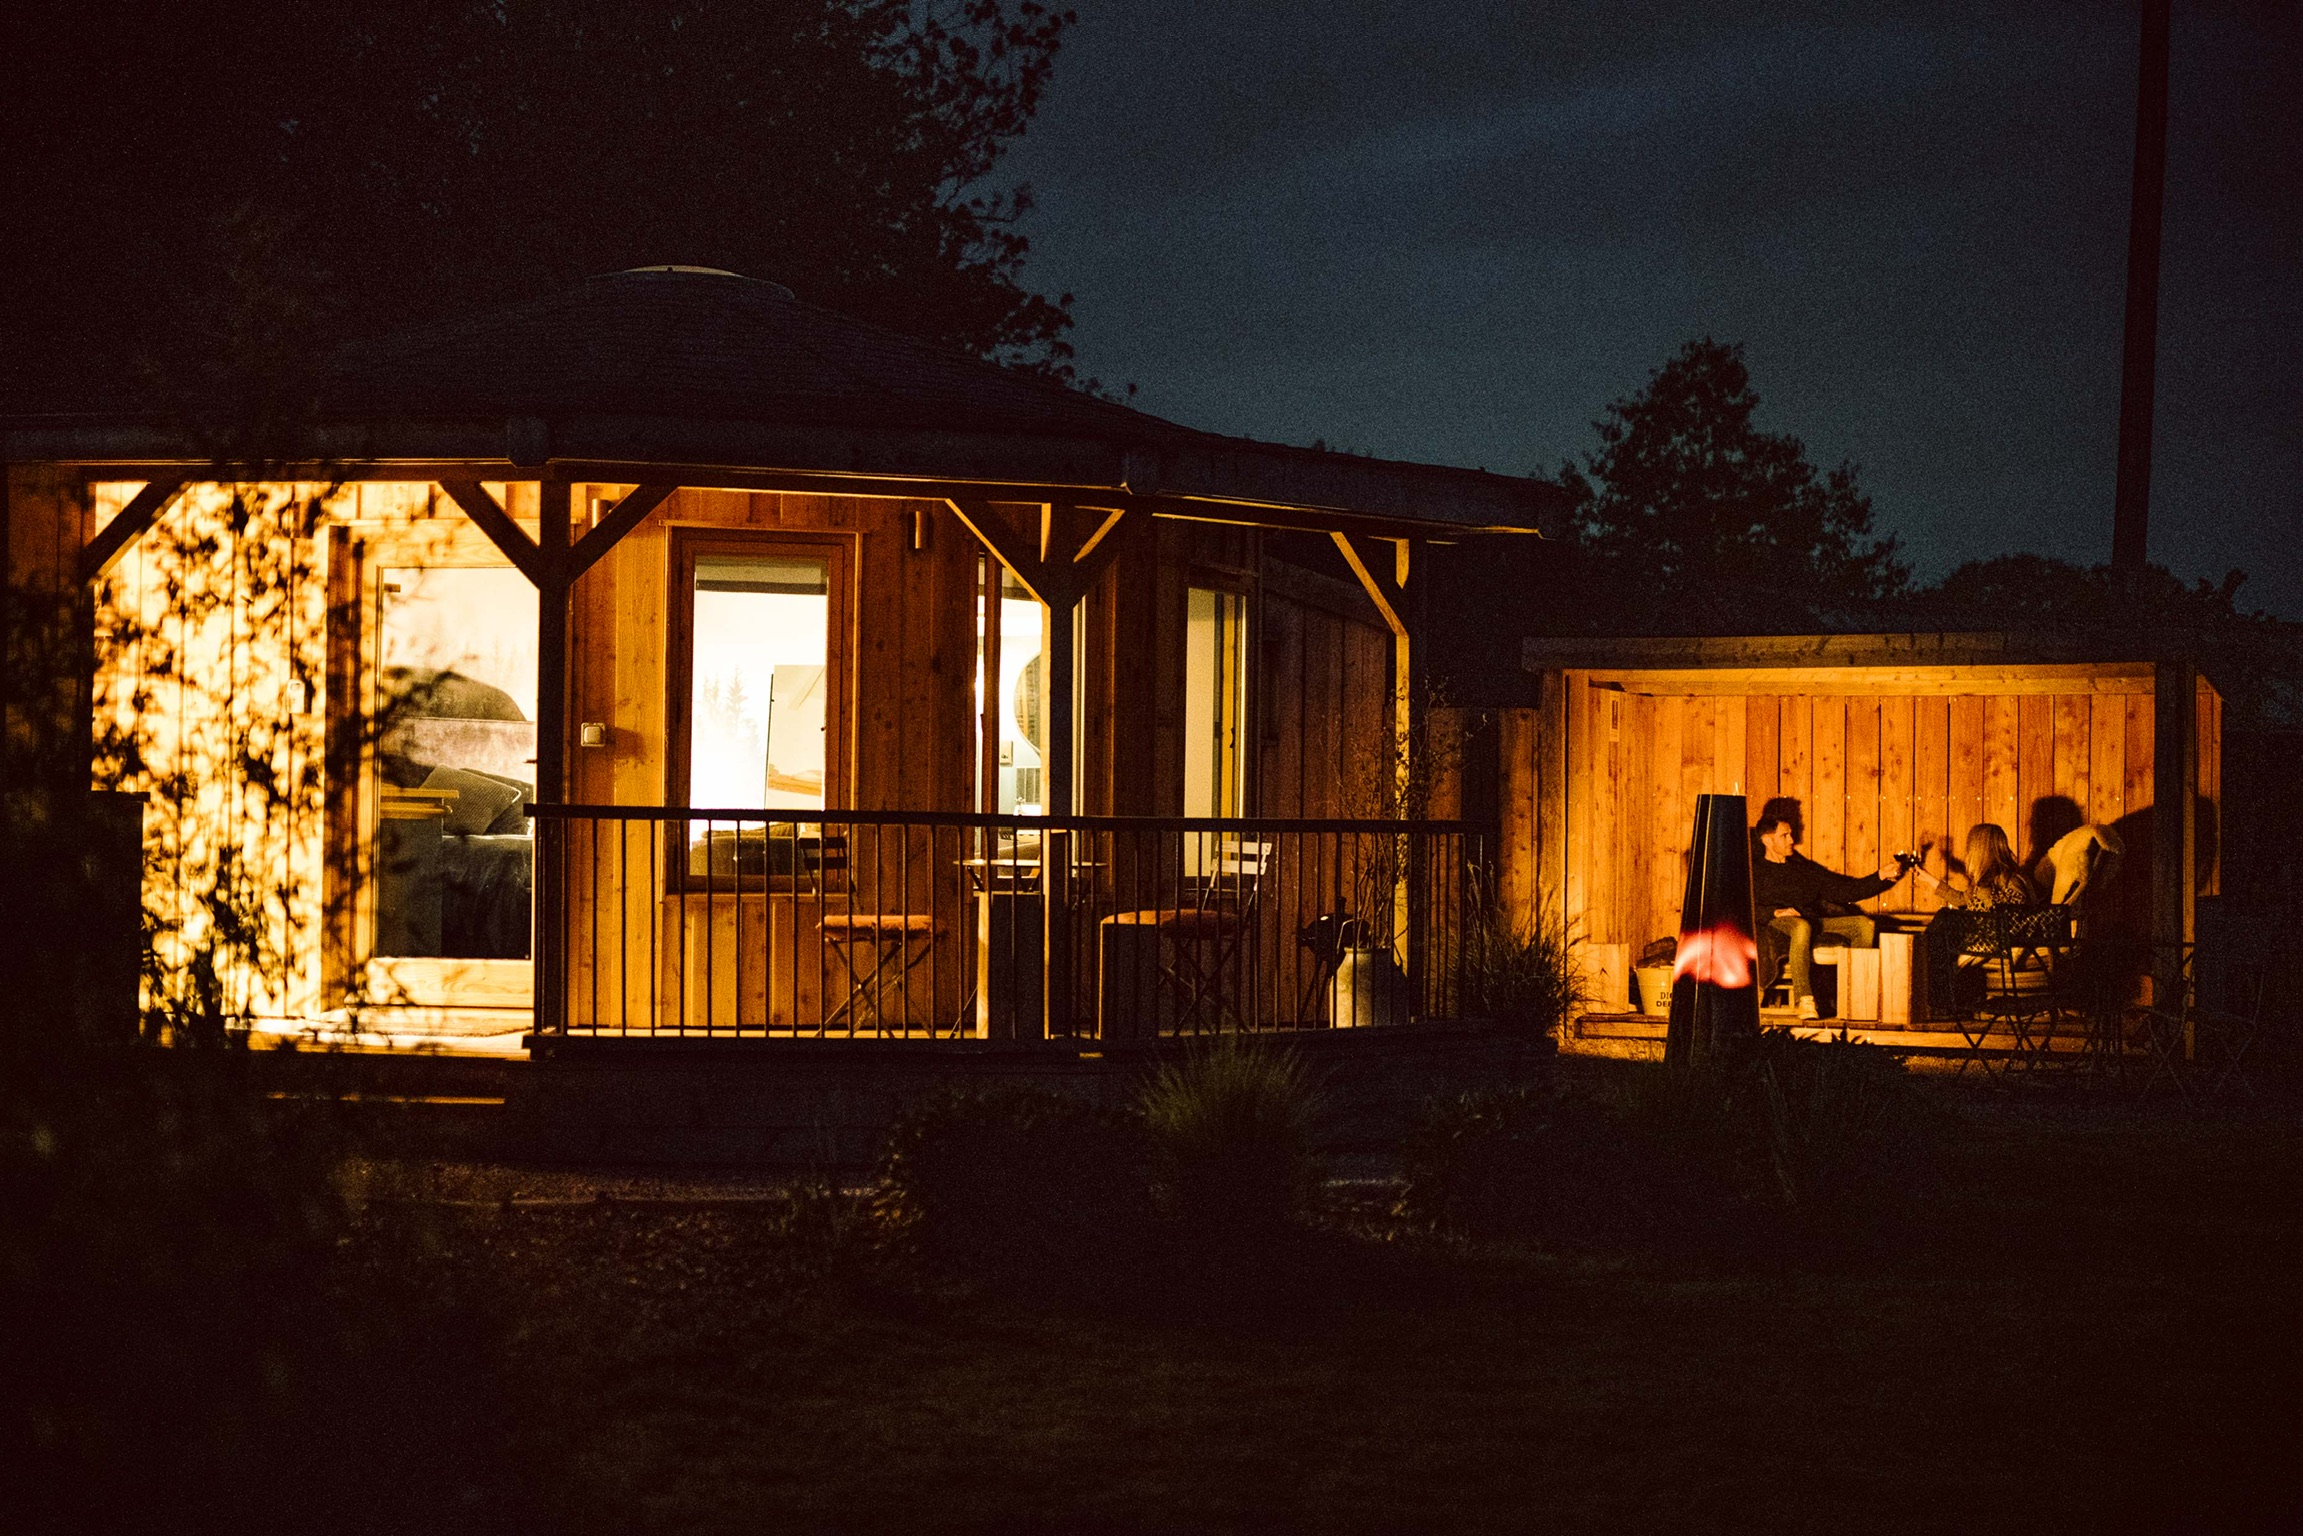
{"x":1797,"y":898}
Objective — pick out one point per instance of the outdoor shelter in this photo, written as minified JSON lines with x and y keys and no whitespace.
{"x":1888,"y":742}
{"x":670,"y":656}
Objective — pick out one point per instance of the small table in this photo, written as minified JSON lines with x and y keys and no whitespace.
{"x":1012,"y":937}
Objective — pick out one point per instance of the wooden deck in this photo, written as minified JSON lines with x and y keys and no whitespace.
{"x":1639,"y":1036}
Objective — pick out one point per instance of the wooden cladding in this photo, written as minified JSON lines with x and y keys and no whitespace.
{"x":1616,"y":773}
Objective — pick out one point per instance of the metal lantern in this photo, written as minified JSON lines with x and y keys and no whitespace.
{"x":1715,"y":974}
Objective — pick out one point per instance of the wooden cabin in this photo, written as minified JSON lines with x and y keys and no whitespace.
{"x":1888,"y":742}
{"x":669,"y":656}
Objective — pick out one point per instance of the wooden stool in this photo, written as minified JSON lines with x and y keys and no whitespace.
{"x":1897,"y":970}
{"x":1858,"y":980}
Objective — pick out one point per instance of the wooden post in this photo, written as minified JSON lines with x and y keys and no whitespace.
{"x":1550,"y":807}
{"x":550,"y":947}
{"x":988,"y":723}
{"x":1410,"y":574}
{"x":1055,"y":844}
{"x":1063,"y":601}
{"x":1069,"y":553}
{"x":2174,"y":828}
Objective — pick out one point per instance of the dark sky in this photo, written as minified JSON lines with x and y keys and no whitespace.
{"x":1454,"y":232}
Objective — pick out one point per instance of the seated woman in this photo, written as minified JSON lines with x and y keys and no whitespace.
{"x":1989,"y":876}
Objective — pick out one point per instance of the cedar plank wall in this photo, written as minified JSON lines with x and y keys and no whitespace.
{"x":1320,"y":663}
{"x":910,"y":701}
{"x":1321,"y":695}
{"x":911,"y":648}
{"x":1873,"y":774}
{"x":225,"y":644}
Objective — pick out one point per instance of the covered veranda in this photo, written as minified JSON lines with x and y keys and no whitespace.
{"x":602,"y":445}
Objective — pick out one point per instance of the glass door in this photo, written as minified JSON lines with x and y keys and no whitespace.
{"x":451,"y":848}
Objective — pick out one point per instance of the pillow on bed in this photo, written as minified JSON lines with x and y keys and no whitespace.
{"x":479,"y":801}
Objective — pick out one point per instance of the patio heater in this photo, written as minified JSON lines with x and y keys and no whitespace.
{"x":1714,"y":977}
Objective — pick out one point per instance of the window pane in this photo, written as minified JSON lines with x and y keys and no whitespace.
{"x":456,"y":765}
{"x":759,"y":681}
{"x":1215,"y":682}
{"x":1023,"y":676}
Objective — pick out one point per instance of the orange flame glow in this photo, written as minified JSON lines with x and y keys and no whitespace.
{"x":1722,"y":955}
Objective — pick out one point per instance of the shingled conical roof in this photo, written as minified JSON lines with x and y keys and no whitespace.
{"x":715,"y":378}
{"x":690,"y":342}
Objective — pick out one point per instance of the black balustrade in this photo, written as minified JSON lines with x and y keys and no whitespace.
{"x":771,"y":923}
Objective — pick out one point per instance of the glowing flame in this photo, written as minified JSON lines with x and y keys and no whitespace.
{"x":1722,"y":955}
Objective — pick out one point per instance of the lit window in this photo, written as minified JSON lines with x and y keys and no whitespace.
{"x":759,"y":678}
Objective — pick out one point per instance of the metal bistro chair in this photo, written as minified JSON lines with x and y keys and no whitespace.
{"x":2203,"y":1033}
{"x":901,"y":939}
{"x":2230,"y":1022}
{"x":2021,"y":951}
{"x":1202,"y":933}
{"x":2169,"y":1021}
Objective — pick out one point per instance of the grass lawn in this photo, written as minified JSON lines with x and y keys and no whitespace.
{"x":2097,"y":1330}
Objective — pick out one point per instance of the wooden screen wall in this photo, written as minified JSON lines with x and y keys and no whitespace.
{"x":1319,"y":662}
{"x":1874,"y":774}
{"x":1323,"y":699}
{"x":210,"y":698}
{"x":1131,"y":728}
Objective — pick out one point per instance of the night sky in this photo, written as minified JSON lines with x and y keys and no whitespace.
{"x":1453,"y":233}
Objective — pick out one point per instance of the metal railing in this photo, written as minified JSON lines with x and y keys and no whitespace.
{"x":766,"y":923}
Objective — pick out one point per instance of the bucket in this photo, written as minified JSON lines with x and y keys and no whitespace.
{"x":1654,"y":990}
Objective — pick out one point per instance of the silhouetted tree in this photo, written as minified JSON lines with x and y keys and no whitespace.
{"x":439,"y":155}
{"x":1693,"y":521}
{"x":2255,"y":659}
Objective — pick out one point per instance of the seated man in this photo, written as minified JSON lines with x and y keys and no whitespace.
{"x":1796,"y":898}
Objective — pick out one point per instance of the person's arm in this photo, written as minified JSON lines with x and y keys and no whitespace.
{"x":1950,"y":880}
{"x":1847,"y":890}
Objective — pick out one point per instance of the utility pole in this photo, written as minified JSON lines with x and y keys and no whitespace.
{"x":2131,"y":508}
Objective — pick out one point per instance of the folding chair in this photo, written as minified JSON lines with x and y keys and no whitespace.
{"x":2037,"y":944}
{"x":2020,"y":951}
{"x":881,"y":940}
{"x":2226,"y":1032}
{"x":1200,"y":936}
{"x":2170,"y":1025}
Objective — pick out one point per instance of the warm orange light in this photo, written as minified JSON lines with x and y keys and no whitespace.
{"x":1722,"y":954}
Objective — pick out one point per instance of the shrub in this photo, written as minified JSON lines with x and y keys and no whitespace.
{"x":1792,"y":1145}
{"x":1016,"y":1184}
{"x":1845,"y":1135}
{"x":1809,"y":1147}
{"x":1522,"y":976}
{"x":1231,"y":1128}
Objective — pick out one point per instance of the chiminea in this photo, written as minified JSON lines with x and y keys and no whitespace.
{"x":1715,"y":977}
